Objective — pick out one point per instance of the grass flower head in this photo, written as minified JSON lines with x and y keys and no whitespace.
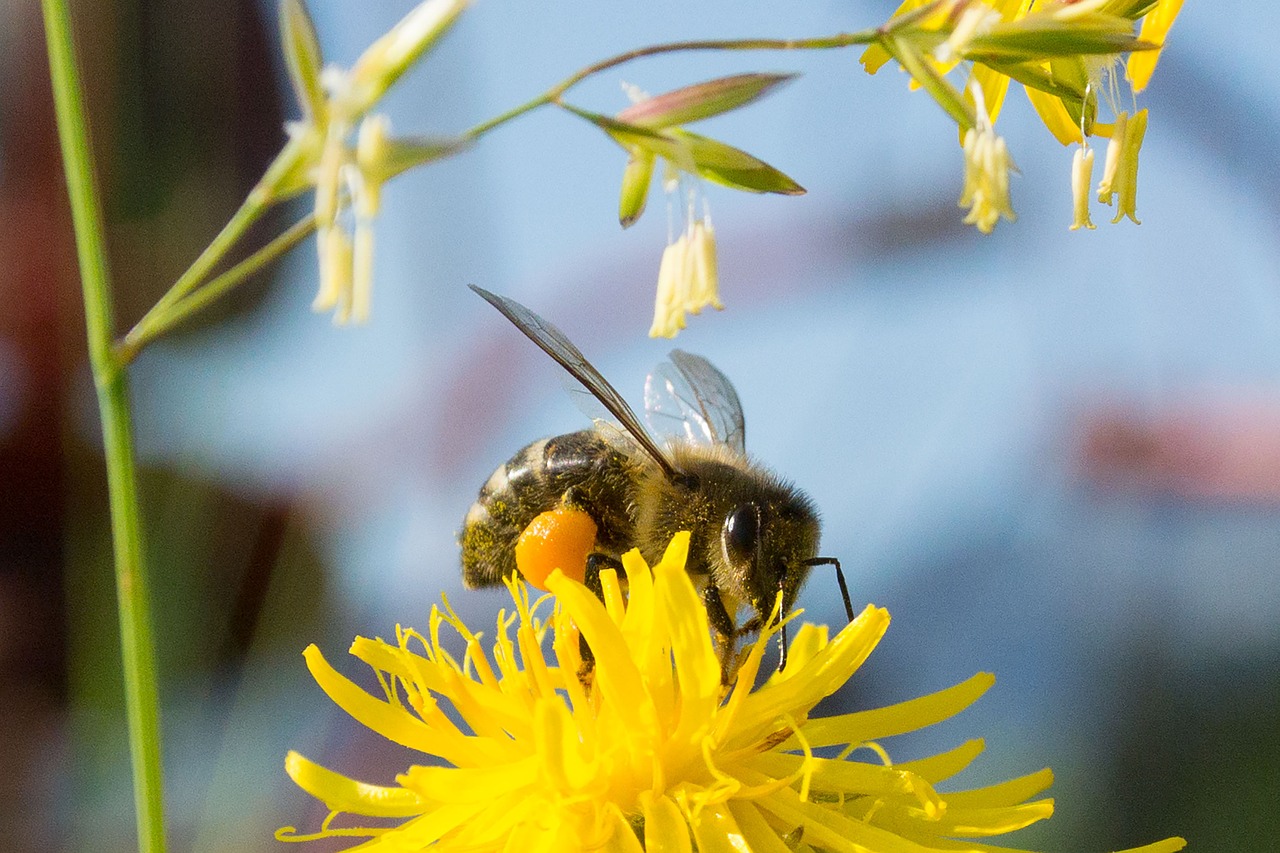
{"x":1067,"y":56}
{"x":655,"y":753}
{"x":344,"y":150}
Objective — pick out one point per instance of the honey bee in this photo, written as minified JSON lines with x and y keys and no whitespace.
{"x":578,"y":501}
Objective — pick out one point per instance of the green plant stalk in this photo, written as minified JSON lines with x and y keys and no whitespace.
{"x":111,"y":384}
{"x":146,"y":332}
{"x":553,"y":95}
{"x":254,"y":205}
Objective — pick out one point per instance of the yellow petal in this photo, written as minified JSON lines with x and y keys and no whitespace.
{"x":830,"y":829}
{"x":910,"y":822}
{"x":755,"y":829}
{"x":875,"y":56}
{"x":560,"y":748}
{"x":696,"y":663}
{"x":431,"y":827}
{"x":816,"y":680}
{"x":639,"y":615}
{"x":855,"y":778}
{"x":918,"y":713}
{"x":488,"y":711}
{"x":393,"y":722}
{"x":614,"y":602}
{"x":1007,"y":793}
{"x":665,"y":829}
{"x":617,"y":679}
{"x":1055,"y":116}
{"x":340,"y":793}
{"x":677,"y":553}
{"x":716,"y":830}
{"x":471,"y":784}
{"x":1155,"y":26}
{"x":491,"y":828}
{"x":809,"y":641}
{"x":623,"y":838}
{"x":944,"y":765}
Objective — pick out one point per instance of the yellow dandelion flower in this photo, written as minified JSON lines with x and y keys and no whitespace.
{"x":655,"y":754}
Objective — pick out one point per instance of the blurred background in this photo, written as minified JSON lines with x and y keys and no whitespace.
{"x":1052,"y":455}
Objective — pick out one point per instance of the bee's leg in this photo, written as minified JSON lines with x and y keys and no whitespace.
{"x":595,"y":563}
{"x":726,"y":632}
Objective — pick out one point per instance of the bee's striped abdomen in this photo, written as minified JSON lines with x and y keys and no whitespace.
{"x":579,"y":467}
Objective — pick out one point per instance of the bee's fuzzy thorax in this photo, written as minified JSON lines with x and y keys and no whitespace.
{"x":724,"y":482}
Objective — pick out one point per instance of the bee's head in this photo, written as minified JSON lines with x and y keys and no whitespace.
{"x":767,"y":543}
{"x":772,"y":546}
{"x":754,"y":534}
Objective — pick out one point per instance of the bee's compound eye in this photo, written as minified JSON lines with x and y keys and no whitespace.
{"x":560,"y":538}
{"x":742,"y":533}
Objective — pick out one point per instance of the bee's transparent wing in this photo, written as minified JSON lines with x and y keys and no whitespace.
{"x":689,"y":399}
{"x":607,"y":426}
{"x":553,"y":342}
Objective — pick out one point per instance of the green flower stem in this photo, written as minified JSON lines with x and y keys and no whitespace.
{"x":553,"y":95}
{"x":161,"y":322}
{"x":251,"y":209}
{"x":111,"y":383}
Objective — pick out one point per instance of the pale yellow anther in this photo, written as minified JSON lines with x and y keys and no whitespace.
{"x":1112,"y":164}
{"x":668,"y":307}
{"x":1081,"y":188}
{"x":372,"y":153}
{"x":688,"y":277}
{"x":1126,"y":180}
{"x":335,"y":273}
{"x":364,"y":179}
{"x":362,"y":272}
{"x":986,"y":177}
{"x":703,"y":279}
{"x":328,"y":174}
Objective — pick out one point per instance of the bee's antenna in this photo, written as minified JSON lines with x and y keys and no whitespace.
{"x":844,"y":588}
{"x":782,"y":635}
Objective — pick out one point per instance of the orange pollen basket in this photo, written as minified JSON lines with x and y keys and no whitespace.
{"x":560,"y":538}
